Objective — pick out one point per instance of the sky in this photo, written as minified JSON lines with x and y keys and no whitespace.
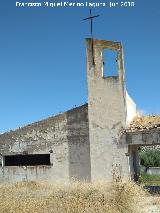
{"x":43,"y":56}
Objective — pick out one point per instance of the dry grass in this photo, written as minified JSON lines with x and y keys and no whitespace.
{"x":40,"y":197}
{"x":157,"y":200}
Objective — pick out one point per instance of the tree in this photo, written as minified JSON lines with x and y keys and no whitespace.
{"x":150,"y":157}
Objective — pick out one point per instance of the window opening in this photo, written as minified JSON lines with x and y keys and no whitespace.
{"x":27,"y":160}
{"x":110,"y":67}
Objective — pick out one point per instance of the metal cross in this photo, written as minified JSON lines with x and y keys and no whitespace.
{"x":91,"y":19}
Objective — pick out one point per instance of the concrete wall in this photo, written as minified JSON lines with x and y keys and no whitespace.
{"x":146,"y":137}
{"x":131,"y":109}
{"x":64,"y":136}
{"x":153,"y":170}
{"x":107,"y":113}
{"x":20,"y":173}
{"x":78,"y":144}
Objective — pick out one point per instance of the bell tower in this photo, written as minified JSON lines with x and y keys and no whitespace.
{"x":107,"y":112}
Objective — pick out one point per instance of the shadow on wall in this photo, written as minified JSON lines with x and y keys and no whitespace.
{"x":78,"y":144}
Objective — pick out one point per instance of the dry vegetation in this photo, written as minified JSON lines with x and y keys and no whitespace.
{"x":157,"y":200}
{"x":145,"y":122}
{"x":41,"y":197}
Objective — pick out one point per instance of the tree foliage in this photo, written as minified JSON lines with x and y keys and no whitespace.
{"x":150,"y":157}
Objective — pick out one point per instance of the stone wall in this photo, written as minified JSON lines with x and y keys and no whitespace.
{"x":64,"y":137}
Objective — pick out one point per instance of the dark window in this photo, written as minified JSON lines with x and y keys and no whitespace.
{"x":27,"y":160}
{"x":110,"y":67}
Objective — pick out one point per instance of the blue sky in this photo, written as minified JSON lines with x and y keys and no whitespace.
{"x":43,"y":57}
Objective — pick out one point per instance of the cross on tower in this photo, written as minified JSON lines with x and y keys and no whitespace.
{"x":91,"y":19}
